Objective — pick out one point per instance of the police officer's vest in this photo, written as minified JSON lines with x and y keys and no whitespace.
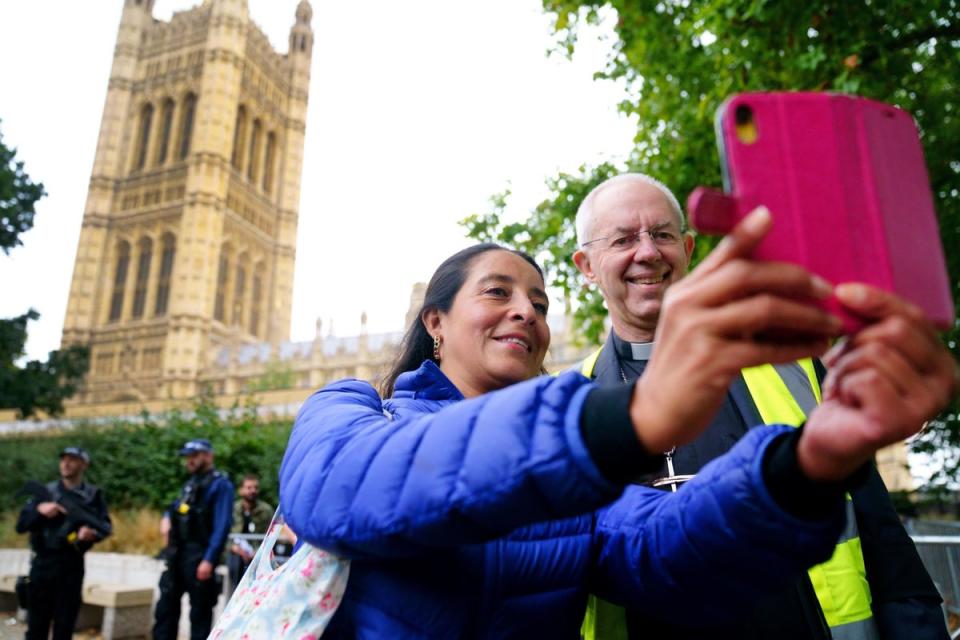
{"x":781,"y":397}
{"x":63,"y":536}
{"x":192,"y":521}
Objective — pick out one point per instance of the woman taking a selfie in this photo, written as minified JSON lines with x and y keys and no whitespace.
{"x":476,"y":499}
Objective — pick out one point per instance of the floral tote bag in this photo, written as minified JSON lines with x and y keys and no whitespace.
{"x":293,"y":600}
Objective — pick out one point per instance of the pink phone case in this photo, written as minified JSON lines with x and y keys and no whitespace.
{"x":845,"y":181}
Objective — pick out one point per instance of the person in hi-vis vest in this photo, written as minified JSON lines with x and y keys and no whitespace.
{"x":633,"y":245}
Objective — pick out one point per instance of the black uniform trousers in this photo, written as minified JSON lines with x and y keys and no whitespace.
{"x":56,"y":581}
{"x":181,"y":577}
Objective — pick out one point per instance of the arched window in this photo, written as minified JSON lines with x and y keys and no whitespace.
{"x":143,"y":139}
{"x":239,"y":137}
{"x":143,"y":276}
{"x":268,"y":162}
{"x":186,"y":124}
{"x":256,"y":291}
{"x":253,"y":161}
{"x":223,"y":275}
{"x":239,"y":289}
{"x":166,"y":127}
{"x":119,"y":280}
{"x":166,"y":272}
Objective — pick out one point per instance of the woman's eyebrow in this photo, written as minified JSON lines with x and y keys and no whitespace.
{"x":505,"y":279}
{"x":496,"y":277}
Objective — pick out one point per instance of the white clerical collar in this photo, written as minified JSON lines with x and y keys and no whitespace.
{"x":641,"y":350}
{"x":632,"y":350}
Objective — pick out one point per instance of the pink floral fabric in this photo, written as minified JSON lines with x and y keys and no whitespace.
{"x":295,"y":600}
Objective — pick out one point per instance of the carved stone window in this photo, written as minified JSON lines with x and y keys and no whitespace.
{"x":166,"y":271}
{"x":223,"y":276}
{"x":239,"y":137}
{"x":186,"y":124}
{"x":253,"y":162}
{"x":255,"y":299}
{"x":268,"y":162}
{"x":239,"y":289}
{"x":143,"y":139}
{"x":143,"y":276}
{"x":119,"y":280}
{"x":166,"y":127}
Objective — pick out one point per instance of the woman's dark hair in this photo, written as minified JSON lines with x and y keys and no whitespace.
{"x":444,"y":286}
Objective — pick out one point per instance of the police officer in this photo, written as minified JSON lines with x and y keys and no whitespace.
{"x":65,"y":518}
{"x":197,"y":525}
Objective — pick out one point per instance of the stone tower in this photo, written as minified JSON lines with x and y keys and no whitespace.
{"x":189,"y":231}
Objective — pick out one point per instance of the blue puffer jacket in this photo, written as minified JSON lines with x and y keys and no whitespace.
{"x":487,"y":518}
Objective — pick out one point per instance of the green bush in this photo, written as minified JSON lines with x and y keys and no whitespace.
{"x":137,"y":465}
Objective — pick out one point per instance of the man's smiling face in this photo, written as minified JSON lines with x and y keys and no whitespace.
{"x":634,"y":280}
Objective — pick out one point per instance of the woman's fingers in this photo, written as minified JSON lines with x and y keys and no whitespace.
{"x":741,"y":240}
{"x":888,"y":417}
{"x":873,"y":303}
{"x":771,"y":318}
{"x":742,"y":278}
{"x":754,"y":353}
{"x":887,"y":361}
{"x":864,"y":413}
{"x":728,"y":274}
{"x":907,"y":336}
{"x":924,"y":365}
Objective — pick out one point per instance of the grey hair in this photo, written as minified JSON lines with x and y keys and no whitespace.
{"x":585,"y":211}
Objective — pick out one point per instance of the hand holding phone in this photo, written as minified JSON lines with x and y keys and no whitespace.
{"x":845,"y":181}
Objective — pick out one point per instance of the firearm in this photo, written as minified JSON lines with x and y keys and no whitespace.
{"x":77,"y":514}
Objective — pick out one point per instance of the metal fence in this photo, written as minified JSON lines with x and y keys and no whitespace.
{"x":938,"y":544}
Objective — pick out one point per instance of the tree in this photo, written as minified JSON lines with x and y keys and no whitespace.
{"x":17,"y":197}
{"x":35,"y":385}
{"x":679,"y":59}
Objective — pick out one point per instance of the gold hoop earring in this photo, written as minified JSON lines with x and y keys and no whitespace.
{"x":436,"y":347}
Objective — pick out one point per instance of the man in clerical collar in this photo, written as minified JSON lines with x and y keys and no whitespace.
{"x":633,"y":245}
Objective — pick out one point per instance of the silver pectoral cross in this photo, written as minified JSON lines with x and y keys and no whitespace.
{"x":671,"y":479}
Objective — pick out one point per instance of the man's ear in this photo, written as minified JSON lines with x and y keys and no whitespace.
{"x":688,"y":243}
{"x":582,"y":260}
{"x":432,"y":321}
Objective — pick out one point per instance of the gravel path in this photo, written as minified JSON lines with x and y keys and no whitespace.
{"x":10,"y":629}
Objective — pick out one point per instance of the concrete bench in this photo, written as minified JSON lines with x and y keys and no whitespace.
{"x":118,"y":610}
{"x":127,"y":571}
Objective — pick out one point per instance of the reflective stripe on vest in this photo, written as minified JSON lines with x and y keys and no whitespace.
{"x":603,"y":620}
{"x":785,"y":394}
{"x":590,"y":363}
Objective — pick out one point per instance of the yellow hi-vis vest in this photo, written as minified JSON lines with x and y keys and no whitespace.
{"x":841,"y":582}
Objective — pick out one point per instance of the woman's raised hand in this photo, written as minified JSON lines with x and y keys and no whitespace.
{"x":731,"y":312}
{"x":884,"y":383}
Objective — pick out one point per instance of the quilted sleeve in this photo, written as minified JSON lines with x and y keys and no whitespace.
{"x":358,"y":483}
{"x":721,"y":541}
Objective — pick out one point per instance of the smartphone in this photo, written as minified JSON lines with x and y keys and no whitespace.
{"x":846,"y":184}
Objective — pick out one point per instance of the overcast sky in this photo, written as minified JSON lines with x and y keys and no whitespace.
{"x":418,"y":113}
